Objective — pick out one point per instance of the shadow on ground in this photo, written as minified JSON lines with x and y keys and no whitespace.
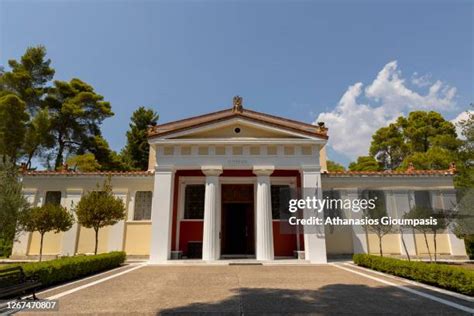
{"x":328,"y":300}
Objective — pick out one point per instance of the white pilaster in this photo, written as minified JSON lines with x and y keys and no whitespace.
{"x":69,"y":243}
{"x":117,"y":231}
{"x":162,"y":214}
{"x":314,"y":239}
{"x":403,"y":204}
{"x":210,"y":243}
{"x":264,"y":227}
{"x":20,"y":245}
{"x":359,"y":236}
{"x":456,"y":245}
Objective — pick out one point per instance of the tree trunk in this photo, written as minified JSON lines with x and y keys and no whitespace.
{"x":404,"y":245}
{"x":435,"y":247}
{"x":59,"y":157}
{"x":30,"y":157}
{"x":380,"y":246}
{"x":96,"y":240}
{"x":41,"y":247}
{"x":427,"y":247}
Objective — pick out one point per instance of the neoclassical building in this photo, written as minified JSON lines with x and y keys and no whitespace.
{"x":211,"y":192}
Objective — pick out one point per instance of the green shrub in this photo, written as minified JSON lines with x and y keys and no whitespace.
{"x":444,"y":276}
{"x":469,"y":242}
{"x":71,"y":268}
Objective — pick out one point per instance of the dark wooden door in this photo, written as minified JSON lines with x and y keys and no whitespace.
{"x":237,"y":231}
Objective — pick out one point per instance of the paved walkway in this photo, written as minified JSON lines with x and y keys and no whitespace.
{"x":323,"y":289}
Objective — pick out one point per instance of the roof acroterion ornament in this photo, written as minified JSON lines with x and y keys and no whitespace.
{"x":237,"y":104}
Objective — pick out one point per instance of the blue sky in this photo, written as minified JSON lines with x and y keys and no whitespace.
{"x":294,"y":59}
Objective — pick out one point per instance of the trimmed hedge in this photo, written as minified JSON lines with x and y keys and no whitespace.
{"x":444,"y":276}
{"x":71,"y":268}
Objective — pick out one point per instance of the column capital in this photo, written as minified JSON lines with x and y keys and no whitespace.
{"x":211,"y":170}
{"x":263,"y":170}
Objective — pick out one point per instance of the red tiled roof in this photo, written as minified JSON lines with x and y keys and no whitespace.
{"x":448,"y":172}
{"x":93,"y":173}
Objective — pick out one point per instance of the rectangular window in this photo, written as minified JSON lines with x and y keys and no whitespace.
{"x":333,"y":205}
{"x":53,"y":197}
{"x":194,"y":201}
{"x":142,"y":210}
{"x":378,"y":197}
{"x":422,"y":199}
{"x":280,"y":195}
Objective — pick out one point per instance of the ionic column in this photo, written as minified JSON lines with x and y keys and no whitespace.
{"x":161,"y":215}
{"x":264,"y":227}
{"x":210,"y":242}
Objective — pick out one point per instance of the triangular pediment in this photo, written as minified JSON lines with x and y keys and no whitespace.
{"x":236,"y":129}
{"x":237,"y":124}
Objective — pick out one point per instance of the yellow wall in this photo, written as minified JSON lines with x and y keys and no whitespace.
{"x":137,"y":238}
{"x":86,"y":242}
{"x":390,"y":244}
{"x":339,"y":241}
{"x":51,"y":243}
{"x":442,"y":244}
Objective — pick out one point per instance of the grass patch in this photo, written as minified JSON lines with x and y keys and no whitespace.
{"x":445,"y":276}
{"x":70,"y":268}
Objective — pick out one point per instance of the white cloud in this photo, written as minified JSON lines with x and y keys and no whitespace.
{"x":461,"y":116}
{"x":352,"y":123}
{"x":421,"y":81}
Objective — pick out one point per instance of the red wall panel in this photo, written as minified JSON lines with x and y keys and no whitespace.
{"x":189,"y":231}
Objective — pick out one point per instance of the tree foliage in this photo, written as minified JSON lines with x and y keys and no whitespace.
{"x":13,"y":118}
{"x":424,"y":139}
{"x":12,"y":204}
{"x":28,"y":77}
{"x":100,"y":208}
{"x":46,"y":218}
{"x":136,"y":151}
{"x":83,"y":163}
{"x":334,"y":166}
{"x":105,"y":157}
{"x":365,"y":163}
{"x":388,"y":146}
{"x":76,"y":114}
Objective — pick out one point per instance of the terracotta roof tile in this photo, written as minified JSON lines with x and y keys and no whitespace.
{"x":93,"y":173}
{"x":447,"y":172}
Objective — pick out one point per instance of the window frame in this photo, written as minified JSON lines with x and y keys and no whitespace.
{"x":184,"y":181}
{"x":55,"y":191}
{"x":135,"y":204}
